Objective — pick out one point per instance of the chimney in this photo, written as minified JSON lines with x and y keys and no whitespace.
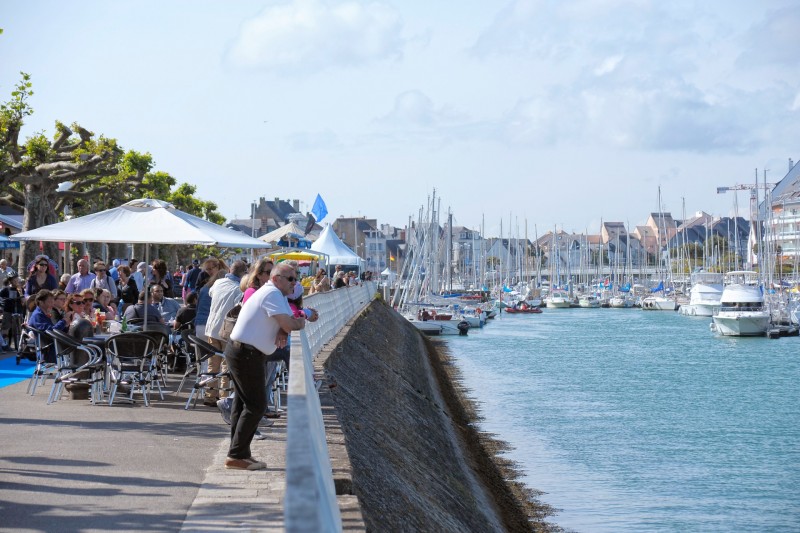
{"x":296,"y":205}
{"x":791,"y":164}
{"x":277,"y":200}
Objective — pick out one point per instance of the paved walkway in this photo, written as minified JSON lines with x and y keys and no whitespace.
{"x":72,"y":466}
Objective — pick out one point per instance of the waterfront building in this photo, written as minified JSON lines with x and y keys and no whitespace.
{"x":785,"y":219}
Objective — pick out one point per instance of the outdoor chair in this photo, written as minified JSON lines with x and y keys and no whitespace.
{"x":203,"y":351}
{"x":160,"y":337}
{"x":132,"y":358}
{"x":77,"y":362}
{"x":42,"y":346}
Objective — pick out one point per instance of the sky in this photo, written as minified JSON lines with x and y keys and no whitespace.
{"x":540,"y":114}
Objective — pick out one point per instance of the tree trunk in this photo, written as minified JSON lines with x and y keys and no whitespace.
{"x":40,"y":211}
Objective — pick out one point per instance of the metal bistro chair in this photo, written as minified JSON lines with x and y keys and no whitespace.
{"x":160,"y":335}
{"x":72,"y":369}
{"x":203,"y":351}
{"x":132,"y":357}
{"x":42,"y":346}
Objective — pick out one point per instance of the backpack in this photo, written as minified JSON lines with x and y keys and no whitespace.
{"x":229,"y":321}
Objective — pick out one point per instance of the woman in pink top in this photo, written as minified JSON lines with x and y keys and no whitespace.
{"x":257,"y":277}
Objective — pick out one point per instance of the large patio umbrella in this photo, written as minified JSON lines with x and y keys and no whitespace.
{"x":142,"y":221}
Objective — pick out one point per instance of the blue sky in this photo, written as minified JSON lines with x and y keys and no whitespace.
{"x":555,"y":113}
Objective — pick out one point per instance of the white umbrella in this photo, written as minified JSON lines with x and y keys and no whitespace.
{"x":142,"y":221}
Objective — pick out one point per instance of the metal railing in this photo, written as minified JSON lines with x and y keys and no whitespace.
{"x":310,"y":503}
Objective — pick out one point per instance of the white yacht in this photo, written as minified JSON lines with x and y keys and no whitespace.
{"x":742,"y":311}
{"x":659,"y":303}
{"x":705,"y":295}
{"x":621,"y":301}
{"x":588,"y":301}
{"x":558,"y":298}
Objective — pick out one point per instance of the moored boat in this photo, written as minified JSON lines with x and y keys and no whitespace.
{"x":741,"y":311}
{"x":705,"y":294}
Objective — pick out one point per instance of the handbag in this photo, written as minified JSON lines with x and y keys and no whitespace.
{"x":228,"y":322}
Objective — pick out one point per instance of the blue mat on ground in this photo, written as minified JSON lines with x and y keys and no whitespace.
{"x":11,"y":373}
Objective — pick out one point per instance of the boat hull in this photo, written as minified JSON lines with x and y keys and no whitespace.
{"x":659,"y":304}
{"x":529,"y":311}
{"x":698,"y":309}
{"x":742,"y":324}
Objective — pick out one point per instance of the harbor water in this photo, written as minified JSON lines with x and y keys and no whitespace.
{"x":631,"y":420}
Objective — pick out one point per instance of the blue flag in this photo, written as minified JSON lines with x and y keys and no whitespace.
{"x":319,"y":210}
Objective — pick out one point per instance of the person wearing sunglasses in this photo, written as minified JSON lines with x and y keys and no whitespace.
{"x":102,"y":280}
{"x":40,"y":319}
{"x":254,"y":338}
{"x":40,"y":277}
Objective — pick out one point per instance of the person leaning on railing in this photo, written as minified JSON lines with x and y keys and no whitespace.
{"x":255,"y":337}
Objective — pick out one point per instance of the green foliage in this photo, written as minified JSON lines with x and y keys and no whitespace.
{"x":37,"y":149}
{"x":18,"y":107}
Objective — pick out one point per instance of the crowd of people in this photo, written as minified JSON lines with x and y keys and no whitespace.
{"x":198,"y":296}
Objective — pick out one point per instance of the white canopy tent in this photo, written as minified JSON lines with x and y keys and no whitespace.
{"x":142,"y":221}
{"x":339,"y":254}
{"x":289,"y":232}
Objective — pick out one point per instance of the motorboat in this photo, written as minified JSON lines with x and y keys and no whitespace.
{"x":588,"y":301}
{"x":523,"y":308}
{"x":659,"y":303}
{"x":558,"y":299}
{"x":621,"y":301}
{"x":520,"y":311}
{"x":705,"y":294}
{"x":741,"y":311}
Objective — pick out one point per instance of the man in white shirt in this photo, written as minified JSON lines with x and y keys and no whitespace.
{"x":255,"y":336}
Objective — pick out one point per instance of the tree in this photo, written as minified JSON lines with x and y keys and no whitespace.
{"x":32,"y":173}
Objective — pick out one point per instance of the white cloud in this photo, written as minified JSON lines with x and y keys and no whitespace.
{"x":774,"y":40}
{"x":414,"y":109}
{"x":311,"y":35}
{"x":608,"y":65}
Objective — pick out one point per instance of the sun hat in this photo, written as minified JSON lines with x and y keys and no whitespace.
{"x":141,"y":266}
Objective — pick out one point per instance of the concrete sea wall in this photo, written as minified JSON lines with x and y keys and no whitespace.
{"x":417,"y":461}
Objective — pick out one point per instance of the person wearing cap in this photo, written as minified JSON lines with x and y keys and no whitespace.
{"x":40,"y":277}
{"x":113,"y":272}
{"x":139,"y":275}
{"x":189,"y":282}
{"x":82,"y":280}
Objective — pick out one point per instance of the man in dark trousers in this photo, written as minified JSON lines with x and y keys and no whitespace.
{"x":259,"y":331}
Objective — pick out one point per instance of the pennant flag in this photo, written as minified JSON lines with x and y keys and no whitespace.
{"x":310,"y":224}
{"x":319,"y":210}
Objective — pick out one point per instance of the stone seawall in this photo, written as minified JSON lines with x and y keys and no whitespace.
{"x":418,"y":463}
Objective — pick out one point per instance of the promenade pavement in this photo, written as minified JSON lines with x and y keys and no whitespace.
{"x":72,"y":466}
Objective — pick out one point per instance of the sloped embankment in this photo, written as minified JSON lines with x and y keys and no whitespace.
{"x":418,"y":463}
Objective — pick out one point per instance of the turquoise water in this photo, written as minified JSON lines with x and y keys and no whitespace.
{"x":643,"y":421}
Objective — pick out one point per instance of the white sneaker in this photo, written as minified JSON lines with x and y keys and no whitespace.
{"x":259,"y":436}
